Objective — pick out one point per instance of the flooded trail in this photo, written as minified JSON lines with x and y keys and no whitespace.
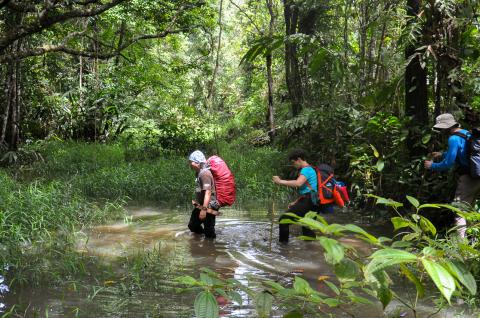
{"x":246,"y":246}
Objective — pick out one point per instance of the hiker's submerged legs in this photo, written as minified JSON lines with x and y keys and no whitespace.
{"x":209,"y":226}
{"x":300,"y":208}
{"x":466,"y":192}
{"x":195,"y":224}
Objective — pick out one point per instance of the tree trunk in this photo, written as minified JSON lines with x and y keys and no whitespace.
{"x":268,"y":61}
{"x":416,"y":105}
{"x":364,"y":21}
{"x":211,"y":91}
{"x":9,"y":131}
{"x":292,"y":69}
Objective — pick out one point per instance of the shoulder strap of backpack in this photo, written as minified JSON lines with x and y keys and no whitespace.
{"x":459,"y":134}
{"x":322,"y":185}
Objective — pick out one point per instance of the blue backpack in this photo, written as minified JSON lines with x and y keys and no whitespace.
{"x":473,"y":144}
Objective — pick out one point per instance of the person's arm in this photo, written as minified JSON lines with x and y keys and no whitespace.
{"x":204,"y":206}
{"x":290,"y":183}
{"x":448,"y":157}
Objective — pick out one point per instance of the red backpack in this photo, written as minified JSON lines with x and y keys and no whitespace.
{"x":328,"y":191}
{"x":224,"y":181}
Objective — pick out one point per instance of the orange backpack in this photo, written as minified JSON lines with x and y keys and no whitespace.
{"x":328,"y":192}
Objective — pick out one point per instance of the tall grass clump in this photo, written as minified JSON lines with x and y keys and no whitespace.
{"x":37,"y":223}
{"x":164,"y":181}
{"x":68,"y":158}
{"x":253,"y":169}
{"x":107,"y":172}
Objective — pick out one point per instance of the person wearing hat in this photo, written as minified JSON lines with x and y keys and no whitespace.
{"x":205,"y":204}
{"x":456,"y":155}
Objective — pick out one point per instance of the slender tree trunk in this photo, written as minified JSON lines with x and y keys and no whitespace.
{"x":438,"y":88}
{"x":120,"y":42}
{"x":11,"y":108}
{"x":292,"y":69}
{"x":8,"y":102}
{"x":364,"y":20}
{"x":211,"y":91}
{"x":268,"y":61}
{"x":346,"y":44}
{"x":416,"y":98}
{"x":379,"y":52}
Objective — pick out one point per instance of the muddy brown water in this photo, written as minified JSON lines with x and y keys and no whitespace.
{"x":246,"y":249}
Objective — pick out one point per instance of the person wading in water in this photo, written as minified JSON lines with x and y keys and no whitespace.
{"x":205,"y":204}
{"x":457,"y":154}
{"x":304,"y":203}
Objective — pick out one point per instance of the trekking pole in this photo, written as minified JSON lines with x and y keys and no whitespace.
{"x":272,"y":214}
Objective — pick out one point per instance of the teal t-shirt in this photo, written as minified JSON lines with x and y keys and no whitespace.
{"x":311,"y":176}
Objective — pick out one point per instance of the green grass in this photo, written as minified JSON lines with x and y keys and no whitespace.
{"x":45,"y":202}
{"x":37,"y":221}
{"x":102,"y":172}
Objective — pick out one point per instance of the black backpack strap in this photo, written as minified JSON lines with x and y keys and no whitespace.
{"x":459,"y":134}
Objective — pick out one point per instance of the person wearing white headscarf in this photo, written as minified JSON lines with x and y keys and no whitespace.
{"x":206,"y":206}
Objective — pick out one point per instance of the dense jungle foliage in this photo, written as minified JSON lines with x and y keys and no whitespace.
{"x":102,"y":101}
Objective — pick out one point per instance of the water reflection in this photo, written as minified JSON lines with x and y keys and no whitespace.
{"x":246,"y":246}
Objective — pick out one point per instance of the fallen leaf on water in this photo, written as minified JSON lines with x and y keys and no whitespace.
{"x":297,"y":270}
{"x":323,"y":277}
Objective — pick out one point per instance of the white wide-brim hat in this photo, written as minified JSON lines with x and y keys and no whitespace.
{"x":445,"y":121}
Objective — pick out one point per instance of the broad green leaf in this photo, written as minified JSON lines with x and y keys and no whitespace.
{"x":320,"y":218}
{"x":274,"y":285}
{"x":430,"y":251}
{"x":302,"y":286}
{"x":356,"y":229}
{"x":236,"y":297}
{"x":204,"y":278}
{"x":461,"y":273}
{"x":263,"y":304}
{"x":401,"y":244}
{"x":411,"y":237}
{"x":384,"y":294}
{"x":334,"y":251}
{"x":384,"y":201}
{"x":383,"y":239}
{"x":427,"y":226}
{"x":382,"y":289}
{"x":346,"y":269}
{"x":187,"y":280}
{"x":313,"y":224}
{"x":209,"y":272}
{"x":387,"y":257}
{"x":426,"y":139}
{"x":360,"y":300}
{"x":332,"y":302}
{"x":311,"y":215}
{"x":441,"y":277}
{"x":380,"y":165}
{"x":414,"y":279}
{"x":375,"y":151}
{"x":334,"y":229}
{"x":205,"y":305}
{"x":413,"y":201}
{"x":221,"y":292}
{"x":429,"y":205}
{"x":399,"y":222}
{"x":333,"y":287}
